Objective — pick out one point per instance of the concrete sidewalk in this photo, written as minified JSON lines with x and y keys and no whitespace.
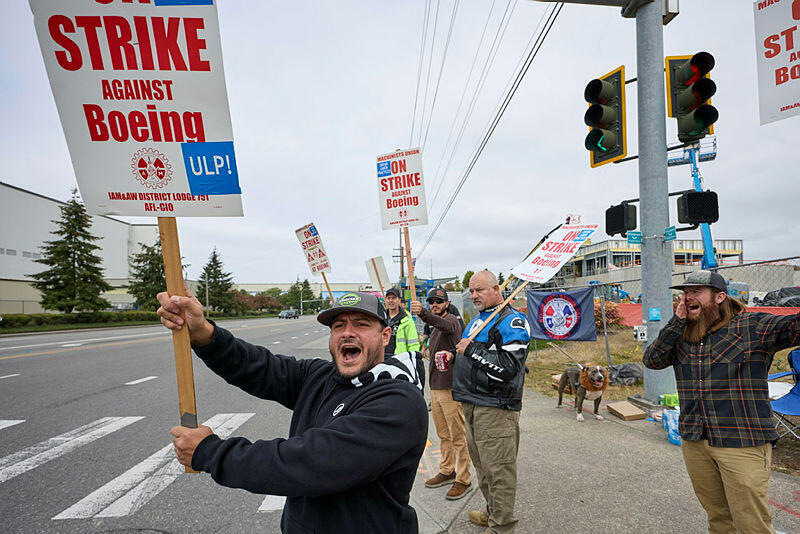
{"x":596,"y":476}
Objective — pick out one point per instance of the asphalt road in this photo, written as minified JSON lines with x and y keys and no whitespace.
{"x":84,"y":431}
{"x":85,"y":448}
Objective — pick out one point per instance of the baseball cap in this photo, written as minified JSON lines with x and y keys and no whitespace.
{"x":437,"y":293}
{"x":703,"y":278}
{"x":354,"y":302}
{"x":393,"y":291}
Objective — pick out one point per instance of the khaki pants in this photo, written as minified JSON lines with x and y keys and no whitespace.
{"x":449,"y":421}
{"x":731,"y":483}
{"x":493,"y":441}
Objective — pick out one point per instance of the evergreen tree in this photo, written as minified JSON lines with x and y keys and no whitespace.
{"x":74,"y":280}
{"x":467,"y":276}
{"x":147,"y":276}
{"x":219,"y":284}
{"x":501,"y":278}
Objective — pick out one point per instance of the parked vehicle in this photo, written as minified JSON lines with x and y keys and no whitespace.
{"x":288,"y":314}
{"x":785,"y":296}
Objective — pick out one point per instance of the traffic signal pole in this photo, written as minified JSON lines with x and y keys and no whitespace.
{"x":657,"y":255}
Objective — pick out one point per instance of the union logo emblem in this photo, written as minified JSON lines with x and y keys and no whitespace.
{"x":559,"y":315}
{"x":151,"y":168}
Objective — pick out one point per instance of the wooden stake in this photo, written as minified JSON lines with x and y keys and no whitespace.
{"x":377,"y":276}
{"x":411,"y":284}
{"x":170,"y":248}
{"x":330,"y":293}
{"x":499,"y":308}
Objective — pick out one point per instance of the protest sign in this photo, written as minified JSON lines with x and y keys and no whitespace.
{"x":547,"y":260}
{"x":401,"y":190}
{"x":401,"y":194}
{"x":377,"y":274}
{"x":140,"y":90}
{"x":777,"y":56}
{"x":311,"y":244}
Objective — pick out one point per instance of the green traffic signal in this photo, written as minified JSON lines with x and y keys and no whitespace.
{"x":606,"y":118}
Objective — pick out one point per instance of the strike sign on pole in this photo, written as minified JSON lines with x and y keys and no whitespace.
{"x":140,"y":90}
{"x":401,"y":191}
{"x":546,"y":260}
{"x":311,"y":244}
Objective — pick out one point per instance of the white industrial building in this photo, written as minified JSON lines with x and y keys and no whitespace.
{"x":26,"y":223}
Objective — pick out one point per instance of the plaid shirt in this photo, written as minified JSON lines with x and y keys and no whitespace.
{"x":722,"y":381}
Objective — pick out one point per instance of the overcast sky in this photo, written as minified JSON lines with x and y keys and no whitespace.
{"x":318,"y":89}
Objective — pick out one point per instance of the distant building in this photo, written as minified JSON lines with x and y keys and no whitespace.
{"x":594,"y":259}
{"x":26,"y":223}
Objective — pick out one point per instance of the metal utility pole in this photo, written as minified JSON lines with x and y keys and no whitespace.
{"x":657,"y":255}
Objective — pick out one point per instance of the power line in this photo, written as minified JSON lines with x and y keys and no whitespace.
{"x":495,"y":46}
{"x":441,"y":69}
{"x":419,"y":69}
{"x":428,"y":77}
{"x":463,"y":94}
{"x":529,"y":61}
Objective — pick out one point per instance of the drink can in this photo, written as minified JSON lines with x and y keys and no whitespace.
{"x":441,"y":360}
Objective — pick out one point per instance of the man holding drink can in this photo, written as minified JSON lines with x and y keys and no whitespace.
{"x":454,"y":467}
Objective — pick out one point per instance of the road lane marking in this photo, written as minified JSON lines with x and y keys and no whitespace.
{"x":134,"y":488}
{"x":305,"y":334}
{"x":8,"y":376}
{"x":36,"y":455}
{"x":275,"y":342}
{"x":5,"y":423}
{"x":102,"y":345}
{"x":294,"y":337}
{"x":272,"y":503}
{"x":72,"y":345}
{"x":145,"y":379}
{"x":82,"y":341}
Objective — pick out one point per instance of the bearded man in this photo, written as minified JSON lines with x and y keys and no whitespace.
{"x":721,"y":356}
{"x":359,"y":423}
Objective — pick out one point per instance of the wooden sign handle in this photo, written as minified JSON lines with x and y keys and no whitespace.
{"x":330,"y":293}
{"x":170,"y":248}
{"x":499,"y":308}
{"x":411,"y":283}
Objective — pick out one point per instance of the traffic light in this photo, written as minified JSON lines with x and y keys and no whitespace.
{"x":689,"y":90}
{"x":606,"y":141}
{"x":695,"y":207}
{"x":620,"y":219}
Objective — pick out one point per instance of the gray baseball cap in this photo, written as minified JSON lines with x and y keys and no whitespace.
{"x":356,"y":301}
{"x":703,"y":278}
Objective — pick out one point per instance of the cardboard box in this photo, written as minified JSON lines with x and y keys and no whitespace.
{"x":626,"y":411}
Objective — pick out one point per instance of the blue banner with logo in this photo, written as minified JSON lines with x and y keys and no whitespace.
{"x":562,"y":315}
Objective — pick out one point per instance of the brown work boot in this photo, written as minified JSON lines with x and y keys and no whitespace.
{"x":479,"y":517}
{"x":440,"y":480}
{"x":457,"y":491}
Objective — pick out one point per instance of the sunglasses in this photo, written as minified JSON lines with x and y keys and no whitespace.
{"x":436,"y":301}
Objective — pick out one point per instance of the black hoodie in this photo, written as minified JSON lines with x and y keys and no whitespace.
{"x":353,"y":447}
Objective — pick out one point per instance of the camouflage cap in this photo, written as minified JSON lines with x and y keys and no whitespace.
{"x":355,"y":302}
{"x":703,"y":278}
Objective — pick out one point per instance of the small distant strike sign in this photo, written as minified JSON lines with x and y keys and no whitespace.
{"x":311,"y":243}
{"x":401,"y":191}
{"x":546,"y":260}
{"x":777,"y":24}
